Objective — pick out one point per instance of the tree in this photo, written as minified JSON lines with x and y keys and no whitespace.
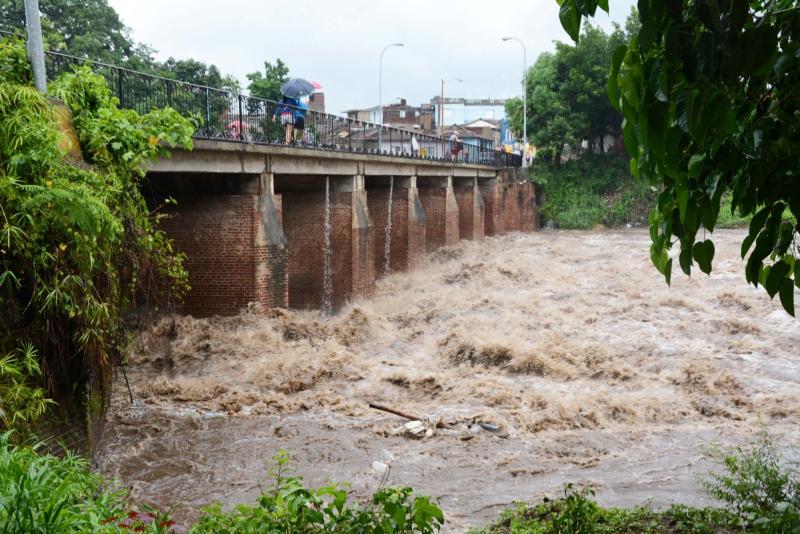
{"x":268,"y":85}
{"x":90,"y":29}
{"x":198,"y":73}
{"x":567,"y":103}
{"x":710,"y":93}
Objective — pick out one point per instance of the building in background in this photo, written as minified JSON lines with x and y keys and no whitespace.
{"x":467,"y":110}
{"x":478,"y":122}
{"x":398,"y":115}
{"x":364,"y":115}
{"x":316,"y":101}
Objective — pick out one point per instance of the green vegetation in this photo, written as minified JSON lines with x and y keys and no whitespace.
{"x":268,"y":84}
{"x":291,"y":507}
{"x":567,"y":102}
{"x":79,"y":245}
{"x":578,"y":513}
{"x":45,"y":494}
{"x":758,"y":492}
{"x":569,"y":119}
{"x":709,"y":92}
{"x":595,"y":189}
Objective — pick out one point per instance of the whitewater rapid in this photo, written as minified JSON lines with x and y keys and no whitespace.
{"x":570,"y":343}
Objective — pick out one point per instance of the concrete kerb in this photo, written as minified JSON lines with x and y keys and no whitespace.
{"x":210,"y":156}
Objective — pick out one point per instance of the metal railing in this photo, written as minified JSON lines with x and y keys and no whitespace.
{"x":231,"y":116}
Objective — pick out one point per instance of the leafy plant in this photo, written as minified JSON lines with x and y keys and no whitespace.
{"x":78,"y":244}
{"x":595,"y":189}
{"x":759,"y":488}
{"x":288,"y":506}
{"x":22,"y":402}
{"x":709,"y":91}
{"x":578,"y":513}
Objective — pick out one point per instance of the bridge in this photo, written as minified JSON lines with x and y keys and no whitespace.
{"x":311,"y":224}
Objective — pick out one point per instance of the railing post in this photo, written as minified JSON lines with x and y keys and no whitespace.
{"x":208,"y":113}
{"x":240,"y":117}
{"x":120,"y":88}
{"x":349,"y":135}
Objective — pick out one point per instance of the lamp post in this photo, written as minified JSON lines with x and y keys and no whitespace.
{"x":35,"y":49}
{"x":524,"y":99}
{"x":380,"y":95}
{"x":441,"y":104}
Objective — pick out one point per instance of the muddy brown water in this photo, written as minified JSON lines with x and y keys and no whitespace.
{"x":593,"y":370}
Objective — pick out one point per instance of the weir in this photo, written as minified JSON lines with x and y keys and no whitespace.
{"x":303,"y":228}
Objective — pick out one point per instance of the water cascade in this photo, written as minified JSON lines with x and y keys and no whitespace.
{"x":388,"y":245}
{"x":327,"y":272}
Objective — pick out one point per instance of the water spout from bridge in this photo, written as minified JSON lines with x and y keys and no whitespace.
{"x":327,"y":272}
{"x":388,"y":245}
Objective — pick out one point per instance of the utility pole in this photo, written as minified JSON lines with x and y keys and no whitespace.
{"x":34,"y":45}
{"x":441,"y":104}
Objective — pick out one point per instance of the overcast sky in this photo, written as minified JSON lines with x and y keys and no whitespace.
{"x":338,"y":42}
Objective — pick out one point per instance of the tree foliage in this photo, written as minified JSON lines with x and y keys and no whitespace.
{"x":567,"y":102}
{"x":90,"y":29}
{"x":268,"y":84}
{"x":710,"y":94}
{"x":198,"y":73}
{"x":78,"y":245}
{"x":93,"y":30}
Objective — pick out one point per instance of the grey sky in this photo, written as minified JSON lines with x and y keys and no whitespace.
{"x":338,"y":43}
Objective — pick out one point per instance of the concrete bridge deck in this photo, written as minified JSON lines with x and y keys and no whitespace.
{"x":250,"y":219}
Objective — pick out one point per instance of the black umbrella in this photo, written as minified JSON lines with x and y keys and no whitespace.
{"x":297,"y":87}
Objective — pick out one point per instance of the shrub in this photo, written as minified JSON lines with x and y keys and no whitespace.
{"x":78,"y":245}
{"x":21,"y":400}
{"x":40,"y":493}
{"x":291,"y":507}
{"x":595,"y":189}
{"x":759,"y":488}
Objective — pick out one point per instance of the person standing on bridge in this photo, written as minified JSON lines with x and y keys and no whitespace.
{"x":285,"y":110}
{"x":300,"y":121}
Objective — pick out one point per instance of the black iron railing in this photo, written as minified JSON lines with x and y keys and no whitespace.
{"x":231,"y":116}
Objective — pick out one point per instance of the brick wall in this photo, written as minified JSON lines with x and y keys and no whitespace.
{"x":378,"y":200}
{"x":471,"y":212}
{"x":218,"y":233}
{"x":352,"y":255}
{"x":530,"y":216}
{"x":441,"y":212}
{"x":407,"y":245}
{"x":492,"y":209}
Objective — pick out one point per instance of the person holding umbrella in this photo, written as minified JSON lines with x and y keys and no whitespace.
{"x":285,"y":110}
{"x":292,"y":112}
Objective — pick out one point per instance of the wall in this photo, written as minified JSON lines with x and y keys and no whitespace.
{"x":441,"y":212}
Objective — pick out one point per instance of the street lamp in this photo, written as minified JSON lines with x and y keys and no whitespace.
{"x":380,"y":95}
{"x":524,"y":99}
{"x":441,"y":104}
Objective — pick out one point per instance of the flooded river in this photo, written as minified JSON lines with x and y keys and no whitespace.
{"x":591,"y":369}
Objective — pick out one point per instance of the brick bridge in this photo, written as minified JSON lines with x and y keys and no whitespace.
{"x":250,"y":218}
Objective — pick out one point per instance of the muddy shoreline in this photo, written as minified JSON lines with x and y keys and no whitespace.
{"x":592,"y":368}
